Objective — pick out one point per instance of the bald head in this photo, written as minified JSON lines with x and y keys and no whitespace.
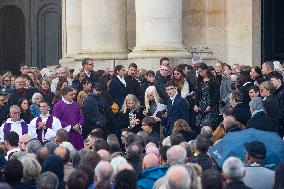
{"x":150,"y":160}
{"x":178,"y":177}
{"x":103,"y":171}
{"x":23,"y":140}
{"x":42,"y":153}
{"x":105,"y":155}
{"x":63,"y":153}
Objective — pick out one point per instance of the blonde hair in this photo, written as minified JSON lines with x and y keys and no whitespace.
{"x":151,"y":89}
{"x":130,"y":97}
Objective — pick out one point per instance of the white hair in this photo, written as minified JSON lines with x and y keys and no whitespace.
{"x":233,"y":168}
{"x":178,"y":177}
{"x":15,"y":107}
{"x":151,"y":89}
{"x":36,"y":95}
{"x":103,"y":171}
{"x":277,"y":66}
{"x":116,"y":162}
{"x":176,"y":155}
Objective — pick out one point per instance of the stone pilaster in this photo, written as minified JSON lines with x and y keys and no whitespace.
{"x":104,"y":33}
{"x":159,"y":29}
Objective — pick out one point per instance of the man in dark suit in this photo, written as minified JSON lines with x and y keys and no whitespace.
{"x":132,"y":84}
{"x":177,"y":107}
{"x":88,"y":68}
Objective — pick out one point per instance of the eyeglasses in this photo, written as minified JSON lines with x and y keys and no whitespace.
{"x":2,"y":100}
{"x":164,"y":70}
{"x":90,"y":64}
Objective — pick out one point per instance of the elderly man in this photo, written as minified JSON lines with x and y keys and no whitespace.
{"x":61,"y":74}
{"x":23,"y":141}
{"x":259,"y":120}
{"x":176,"y":155}
{"x":178,"y":178}
{"x":234,"y":172}
{"x":19,"y":92}
{"x":151,"y":171}
{"x":45,"y":126}
{"x":15,"y":123}
{"x":47,"y":180}
{"x":64,"y":154}
{"x":257,"y":176}
{"x":104,"y":172}
{"x":267,"y":69}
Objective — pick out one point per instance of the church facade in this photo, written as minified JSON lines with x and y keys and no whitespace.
{"x":45,"y":32}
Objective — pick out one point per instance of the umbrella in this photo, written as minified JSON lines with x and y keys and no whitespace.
{"x":233,"y":145}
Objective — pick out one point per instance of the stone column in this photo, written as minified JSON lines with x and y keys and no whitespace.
{"x":244,"y":32}
{"x":159,"y":29}
{"x":104,"y":33}
{"x":73,"y":30}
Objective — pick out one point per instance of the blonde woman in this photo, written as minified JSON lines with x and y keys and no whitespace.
{"x":152,"y":100}
{"x":130,"y":114}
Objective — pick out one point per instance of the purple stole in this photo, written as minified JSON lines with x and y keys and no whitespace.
{"x":7,"y":129}
{"x":48,"y":125}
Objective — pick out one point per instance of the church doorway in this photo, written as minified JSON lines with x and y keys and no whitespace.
{"x":272,"y":30}
{"x":12,"y":38}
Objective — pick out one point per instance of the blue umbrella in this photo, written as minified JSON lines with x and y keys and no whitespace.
{"x":233,"y":145}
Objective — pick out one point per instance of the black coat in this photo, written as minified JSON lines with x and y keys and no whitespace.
{"x":118,"y":91}
{"x":237,"y":185}
{"x":204,"y":161}
{"x":279,"y":93}
{"x":123,"y":120}
{"x":133,"y":87}
{"x":160,"y":84}
{"x":213,"y":93}
{"x":4,"y":114}
{"x":242,"y":113}
{"x":245,"y":92}
{"x":271,"y":107}
{"x":16,"y":95}
{"x":48,"y":96}
{"x":262,"y":122}
{"x":94,"y":111}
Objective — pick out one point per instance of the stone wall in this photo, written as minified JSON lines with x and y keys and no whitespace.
{"x":226,"y":30}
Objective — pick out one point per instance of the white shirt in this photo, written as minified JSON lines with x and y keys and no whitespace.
{"x":173,"y":98}
{"x":11,"y":151}
{"x":50,"y":133}
{"x":122,"y":80}
{"x":15,"y":126}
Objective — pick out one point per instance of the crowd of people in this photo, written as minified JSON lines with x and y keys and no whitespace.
{"x":136,"y":128}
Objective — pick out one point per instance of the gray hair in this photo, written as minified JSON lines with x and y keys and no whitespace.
{"x":178,"y":178}
{"x":116,"y":162}
{"x":34,"y":97}
{"x":70,"y":147}
{"x":31,"y":167}
{"x":104,"y":171}
{"x":33,"y":146}
{"x":47,"y":180}
{"x":14,"y":107}
{"x":176,"y":155}
{"x":233,"y":168}
{"x":256,"y":104}
{"x":51,"y":146}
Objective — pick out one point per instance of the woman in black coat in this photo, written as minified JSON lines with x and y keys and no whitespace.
{"x":207,"y":94}
{"x":131,"y":114}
